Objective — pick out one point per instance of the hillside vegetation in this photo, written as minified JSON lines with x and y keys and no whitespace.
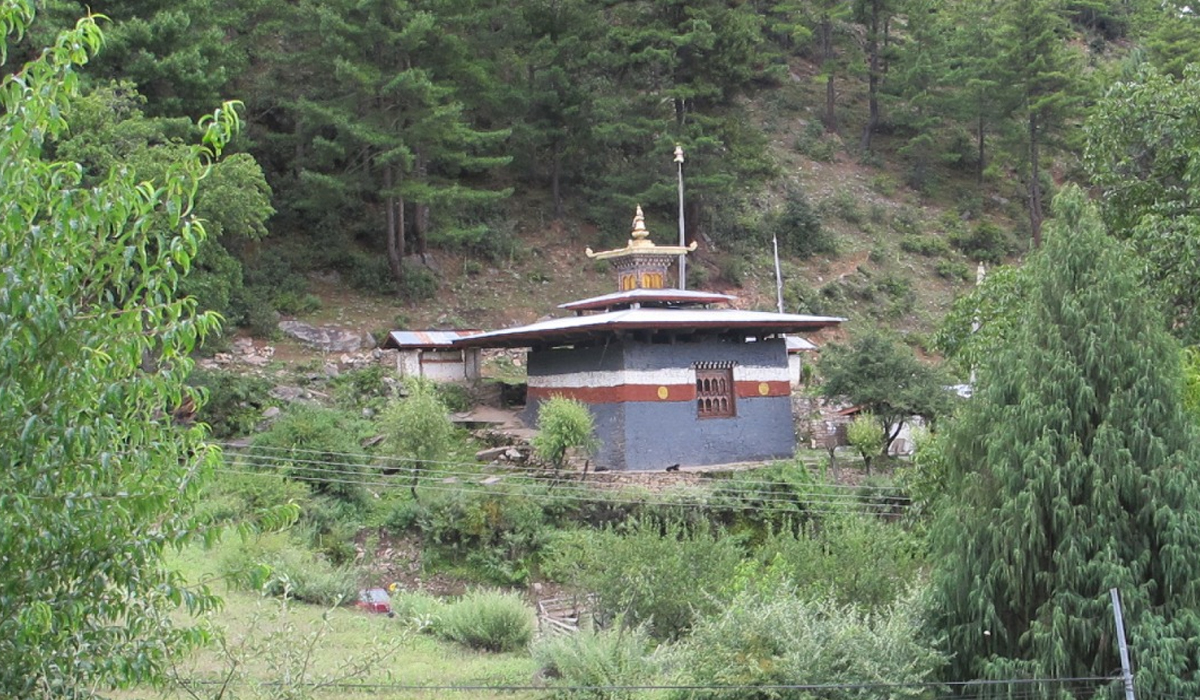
{"x":443,"y":164}
{"x":455,"y":157}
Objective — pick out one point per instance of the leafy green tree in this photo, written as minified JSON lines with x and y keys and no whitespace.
{"x":563,"y":425}
{"x":1143,"y":151}
{"x":865,"y":434}
{"x":417,"y":429}
{"x":884,"y":378}
{"x":97,"y":481}
{"x":983,"y":320}
{"x":109,"y":130}
{"x":1072,"y":471}
{"x":972,"y":72}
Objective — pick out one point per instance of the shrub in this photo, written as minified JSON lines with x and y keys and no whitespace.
{"x":799,"y":229}
{"x":294,"y":572}
{"x":498,"y":535}
{"x":235,"y":402}
{"x":595,"y":659}
{"x":246,"y":495}
{"x":663,"y":575}
{"x":319,"y":446}
{"x":419,"y":284}
{"x":488,"y":620}
{"x":928,"y":246}
{"x":845,"y":206}
{"x":361,"y":388}
{"x":954,"y":270}
{"x":563,"y":424}
{"x":422,"y":611}
{"x":986,"y":242}
{"x":368,"y":272}
{"x":783,"y":640}
{"x":855,"y":558}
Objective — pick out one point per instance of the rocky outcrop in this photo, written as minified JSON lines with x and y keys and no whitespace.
{"x":325,"y":339}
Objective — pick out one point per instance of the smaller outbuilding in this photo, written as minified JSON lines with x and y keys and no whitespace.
{"x":432,"y":355}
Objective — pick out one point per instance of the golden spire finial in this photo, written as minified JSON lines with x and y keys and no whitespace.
{"x":639,"y":225}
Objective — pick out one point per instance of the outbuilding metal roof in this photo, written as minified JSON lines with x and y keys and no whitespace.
{"x":425,"y":340}
{"x":564,"y":331}
{"x":798,"y":344}
{"x":670,"y":297}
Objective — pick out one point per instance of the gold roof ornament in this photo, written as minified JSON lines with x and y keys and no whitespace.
{"x":640,"y":243}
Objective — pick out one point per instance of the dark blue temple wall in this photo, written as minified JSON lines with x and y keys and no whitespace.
{"x":646,"y":356}
{"x":661,"y":434}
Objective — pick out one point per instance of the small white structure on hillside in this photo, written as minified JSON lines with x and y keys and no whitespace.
{"x":429,"y":354}
{"x":797,"y":350}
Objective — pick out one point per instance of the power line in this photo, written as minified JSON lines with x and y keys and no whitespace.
{"x":1025,"y":687}
{"x":337,"y":472}
{"x":590,"y":495}
{"x":404,"y":461}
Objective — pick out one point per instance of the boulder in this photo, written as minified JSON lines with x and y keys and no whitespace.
{"x":324,"y":339}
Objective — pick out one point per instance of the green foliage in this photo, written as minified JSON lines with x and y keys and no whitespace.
{"x":564,"y":424}
{"x":1191,"y":381}
{"x":844,"y":205}
{"x":364,"y":387}
{"x":98,"y":482}
{"x":866,"y":435}
{"x":799,"y":230}
{"x":771,"y":497}
{"x":928,"y":246}
{"x":499,"y":536}
{"x":1070,"y":473}
{"x":319,"y":446}
{"x":774,"y":640}
{"x":982,"y":320}
{"x":985,"y":242}
{"x":954,"y":270}
{"x":638,"y":572}
{"x":853,"y":558}
{"x":290,"y":571}
{"x":422,"y":611}
{"x":417,"y":428}
{"x":234,"y":402}
{"x":1143,"y":149}
{"x":879,"y":375}
{"x":596,"y":659}
{"x":488,"y":620}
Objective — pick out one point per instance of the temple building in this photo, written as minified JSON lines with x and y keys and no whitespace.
{"x":670,"y":379}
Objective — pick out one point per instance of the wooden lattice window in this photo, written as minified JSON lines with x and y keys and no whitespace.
{"x":714,"y":392}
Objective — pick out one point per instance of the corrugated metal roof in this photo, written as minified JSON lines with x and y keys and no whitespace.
{"x":574,"y":328}
{"x":426,"y":339}
{"x":645,"y":296}
{"x":798,"y":344}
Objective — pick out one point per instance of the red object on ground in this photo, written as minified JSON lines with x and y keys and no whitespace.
{"x":375,"y":600}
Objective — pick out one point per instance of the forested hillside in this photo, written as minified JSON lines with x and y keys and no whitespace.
{"x":898,"y":141}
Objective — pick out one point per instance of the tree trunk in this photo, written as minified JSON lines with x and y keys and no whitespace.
{"x":395,"y":227}
{"x":979,"y":164}
{"x":1035,"y":184}
{"x":872,"y":80}
{"x":826,"y":29}
{"x":555,"y":181}
{"x":420,"y":209}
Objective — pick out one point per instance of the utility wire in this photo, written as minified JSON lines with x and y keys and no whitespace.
{"x":404,"y":461}
{"x":341,"y":473}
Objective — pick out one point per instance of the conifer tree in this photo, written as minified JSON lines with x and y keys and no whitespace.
{"x":1073,"y":471}
{"x":1035,"y":70}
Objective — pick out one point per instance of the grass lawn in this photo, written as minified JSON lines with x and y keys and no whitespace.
{"x":275,"y":647}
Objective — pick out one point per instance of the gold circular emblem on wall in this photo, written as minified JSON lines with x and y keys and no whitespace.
{"x":763,"y":389}
{"x":663,"y":392}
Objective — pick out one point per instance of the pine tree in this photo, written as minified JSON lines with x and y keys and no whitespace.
{"x":1073,"y":471}
{"x":1036,"y":68}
